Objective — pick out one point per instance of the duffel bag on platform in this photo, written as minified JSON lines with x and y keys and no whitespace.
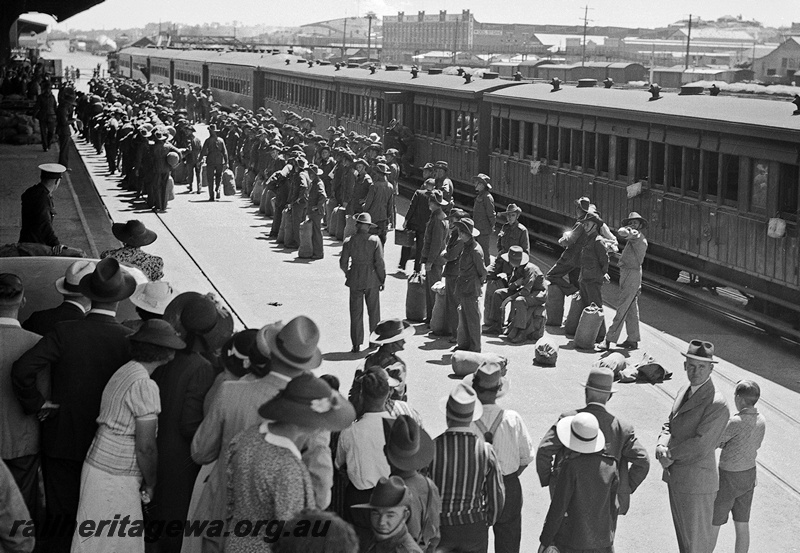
{"x":228,"y":183}
{"x":340,"y":216}
{"x":306,"y":250}
{"x":416,"y":298}
{"x":589,"y":327}
{"x":554,"y":305}
{"x":574,"y":315}
{"x":349,"y":226}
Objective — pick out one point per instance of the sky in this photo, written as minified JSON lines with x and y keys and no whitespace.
{"x":624,"y":13}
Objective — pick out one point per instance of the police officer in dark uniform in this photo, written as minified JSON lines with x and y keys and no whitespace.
{"x":38,"y":209}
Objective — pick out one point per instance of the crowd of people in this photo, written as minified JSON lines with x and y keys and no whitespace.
{"x":119,"y":417}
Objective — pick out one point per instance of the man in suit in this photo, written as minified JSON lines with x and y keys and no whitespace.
{"x":686,"y":450}
{"x":81,"y":357}
{"x":379,"y":202}
{"x":74,"y":306}
{"x":19,"y":433}
{"x":38,"y":208}
{"x":633,"y":462}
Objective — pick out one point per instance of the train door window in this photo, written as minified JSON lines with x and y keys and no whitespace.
{"x":472,"y":129}
{"x":541,"y":141}
{"x":759,"y":181}
{"x":577,"y":149}
{"x":504,"y":135}
{"x":437,"y":122}
{"x":513,"y":138}
{"x":730,"y":179}
{"x":496,"y":134}
{"x":710,"y":174}
{"x":431,"y":118}
{"x":674,"y":167}
{"x":565,"y":151}
{"x":603,"y":141}
{"x":623,"y":153}
{"x":552,"y":144}
{"x":657,"y":160}
{"x":527,"y":140}
{"x":641,"y":166}
{"x":788,"y":184}
{"x":590,"y":150}
{"x":692,"y":178}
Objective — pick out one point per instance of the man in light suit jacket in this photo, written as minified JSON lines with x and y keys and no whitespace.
{"x":686,"y":450}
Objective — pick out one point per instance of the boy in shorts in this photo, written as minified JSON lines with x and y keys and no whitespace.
{"x":737,"y":464}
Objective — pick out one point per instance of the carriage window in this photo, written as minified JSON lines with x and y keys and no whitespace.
{"x":565,"y":153}
{"x":711,"y":174}
{"x":552,"y":144}
{"x":692,"y":172}
{"x":674,"y":165}
{"x":541,"y":140}
{"x":623,"y":153}
{"x":658,"y":155}
{"x":437,"y":122}
{"x":602,"y":153}
{"x":513,"y":138}
{"x":758,"y":185}
{"x":590,"y":150}
{"x":730,"y":179}
{"x":577,"y":148}
{"x":527,"y":129}
{"x":788,"y":184}
{"x":641,"y":166}
{"x":504,"y":135}
{"x":496,"y":133}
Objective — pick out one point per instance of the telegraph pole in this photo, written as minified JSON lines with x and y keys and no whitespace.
{"x":585,"y":30}
{"x":688,"y":43}
{"x":455,"y":44}
{"x":370,"y":15}
{"x":344,"y":39}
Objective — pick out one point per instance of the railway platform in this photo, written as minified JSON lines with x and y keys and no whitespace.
{"x":222,"y":247}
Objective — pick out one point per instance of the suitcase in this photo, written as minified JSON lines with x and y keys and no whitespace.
{"x":349,"y":226}
{"x":439,"y":314}
{"x":589,"y":327}
{"x":416,"y":298}
{"x":340,"y":218}
{"x":306,"y":250}
{"x":554,"y":305}
{"x":203,"y":176}
{"x":574,"y":315}
{"x":403,"y":237}
{"x":228,"y":183}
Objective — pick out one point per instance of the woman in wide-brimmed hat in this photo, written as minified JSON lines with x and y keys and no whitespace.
{"x":114,"y":470}
{"x":183,"y":384}
{"x":266,"y":474}
{"x":133,"y":235}
{"x":150,"y":300}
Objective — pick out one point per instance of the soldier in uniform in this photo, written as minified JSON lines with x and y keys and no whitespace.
{"x":64,"y":118}
{"x":483,"y":214}
{"x":38,"y":209}
{"x":471,"y":277}
{"x":216,"y":160}
{"x":513,"y":233}
{"x":379,"y":201}
{"x":443,"y":182}
{"x":45,"y":111}
{"x":315,"y":206}
{"x":363,"y":266}
{"x":361,"y":187}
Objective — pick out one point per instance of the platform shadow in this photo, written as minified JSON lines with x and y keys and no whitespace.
{"x":344,"y":355}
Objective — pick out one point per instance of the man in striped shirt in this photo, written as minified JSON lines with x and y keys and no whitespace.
{"x":466,"y":471}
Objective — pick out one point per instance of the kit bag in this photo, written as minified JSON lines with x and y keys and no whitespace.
{"x":589,"y":327}
{"x":288,"y":233}
{"x":249,"y":179}
{"x":574,"y":315}
{"x":239,"y":176}
{"x":545,"y":352}
{"x":170,"y":188}
{"x":416,"y":298}
{"x":258,"y":189}
{"x":306,"y":250}
{"x":340,"y":216}
{"x":282,"y":229}
{"x":349,"y":226}
{"x":439,"y":314}
{"x":554,"y":305}
{"x":467,"y":362}
{"x":228,"y":183}
{"x":330,"y":205}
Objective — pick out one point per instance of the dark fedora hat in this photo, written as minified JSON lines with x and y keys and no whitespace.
{"x":516,"y":256}
{"x":203,"y":323}
{"x":365,"y":219}
{"x":390,"y":492}
{"x":109,"y":282}
{"x":310,"y":402}
{"x":408,"y":447}
{"x":600,"y":379}
{"x":701,"y":350}
{"x":467,"y":225}
{"x":294,"y":343}
{"x":391,"y":330}
{"x":159,"y":333}
{"x":633,"y":216}
{"x":437,"y":197}
{"x":133,"y":233}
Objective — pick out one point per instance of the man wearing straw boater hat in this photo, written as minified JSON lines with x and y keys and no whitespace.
{"x":630,"y":282}
{"x":506,"y":431}
{"x":686,"y":449}
{"x":365,"y":272}
{"x":472,"y":498}
{"x":409,"y":449}
{"x":268,"y":478}
{"x":94,"y":348}
{"x":134,"y":235}
{"x":389,"y":513}
{"x":74,"y":306}
{"x":633,"y":461}
{"x":583,"y":512}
